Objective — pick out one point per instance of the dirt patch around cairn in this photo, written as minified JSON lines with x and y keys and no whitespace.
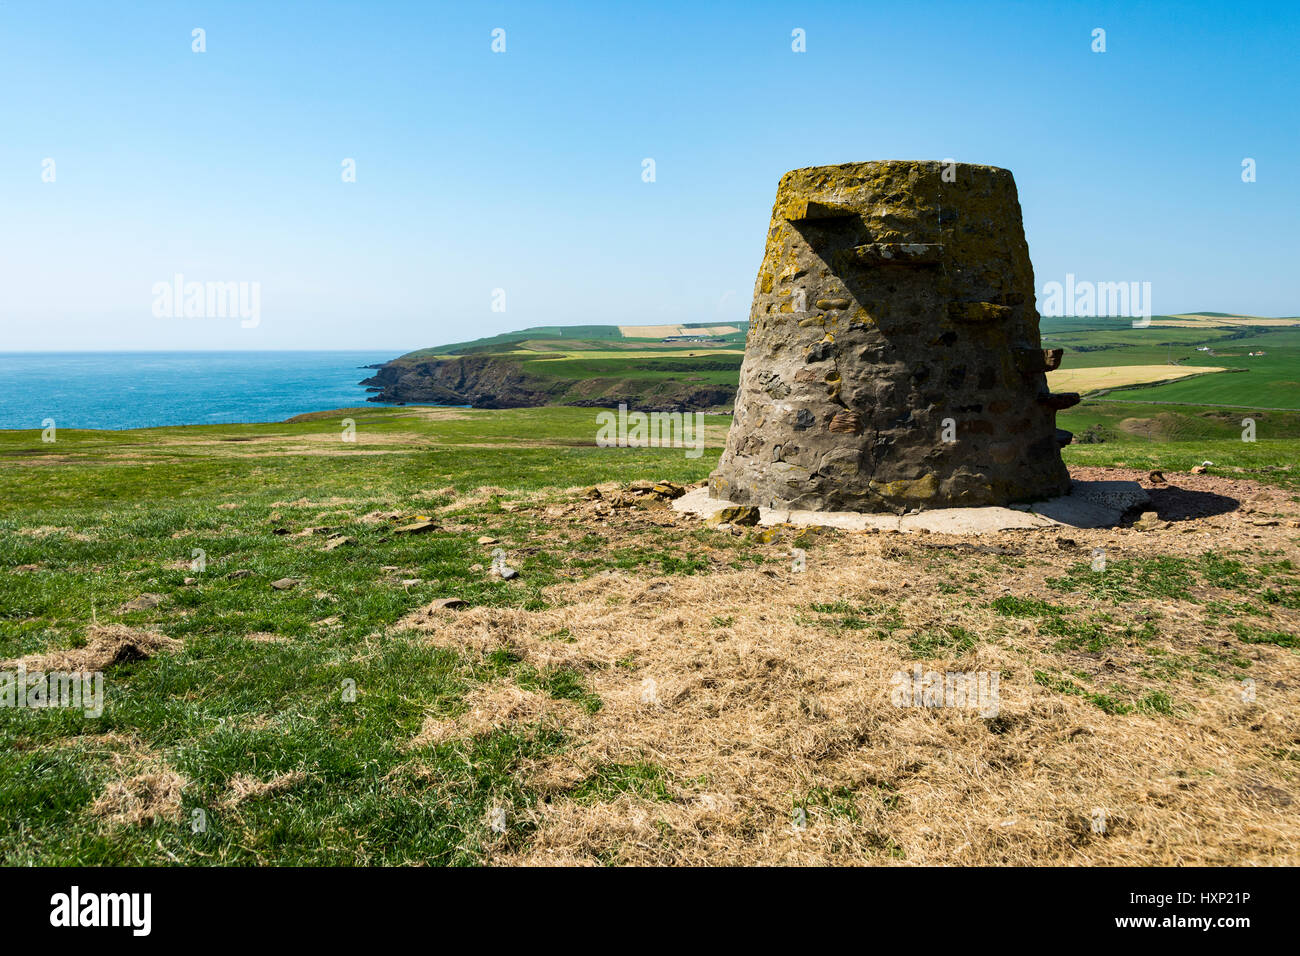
{"x":749,"y":714}
{"x":1183,"y":496}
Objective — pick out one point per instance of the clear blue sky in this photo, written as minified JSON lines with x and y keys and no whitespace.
{"x":522,"y":170}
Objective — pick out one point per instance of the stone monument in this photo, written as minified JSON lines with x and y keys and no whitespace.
{"x":893,"y":360}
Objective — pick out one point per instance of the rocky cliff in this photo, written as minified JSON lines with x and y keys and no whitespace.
{"x":489,"y":381}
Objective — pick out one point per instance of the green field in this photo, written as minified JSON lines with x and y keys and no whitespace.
{"x":253,"y":698}
{"x":109,"y":515}
{"x":582,"y":337}
{"x":1268,"y":381}
{"x":716,"y":368}
{"x":1271,"y":381}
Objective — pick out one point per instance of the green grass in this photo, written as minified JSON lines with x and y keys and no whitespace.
{"x":107,"y":516}
{"x":1250,"y":634}
{"x":610,"y":780}
{"x":710,"y":369}
{"x":566,"y":336}
{"x":1107,"y":703}
{"x":1270,"y":380}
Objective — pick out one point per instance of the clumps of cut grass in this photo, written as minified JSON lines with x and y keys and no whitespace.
{"x":559,"y":683}
{"x":244,"y":787}
{"x":105,"y":646}
{"x":490,"y":709}
{"x":142,"y":799}
{"x":642,"y":779}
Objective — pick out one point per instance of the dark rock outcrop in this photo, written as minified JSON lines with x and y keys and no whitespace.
{"x":493,"y":381}
{"x":476,"y":380}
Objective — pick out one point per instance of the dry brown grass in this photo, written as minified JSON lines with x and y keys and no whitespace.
{"x":143,"y":799}
{"x":107,"y":644}
{"x":490,"y":708}
{"x":243,"y":788}
{"x":751,"y":706}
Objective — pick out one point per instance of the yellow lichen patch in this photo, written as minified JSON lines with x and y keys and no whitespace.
{"x":916,"y":489}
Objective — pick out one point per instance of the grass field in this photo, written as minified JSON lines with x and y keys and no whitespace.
{"x":720,"y":367}
{"x":1270,"y":380}
{"x":582,"y":338}
{"x":516,"y":730}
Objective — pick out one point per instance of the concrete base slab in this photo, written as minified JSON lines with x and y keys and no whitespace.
{"x":1090,"y":504}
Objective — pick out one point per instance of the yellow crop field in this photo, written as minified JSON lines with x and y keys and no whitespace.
{"x":1085,"y":380}
{"x":1197,"y":320}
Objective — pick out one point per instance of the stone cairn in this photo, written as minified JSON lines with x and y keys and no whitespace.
{"x":893,"y":360}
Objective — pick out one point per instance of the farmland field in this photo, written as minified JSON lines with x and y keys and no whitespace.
{"x":1270,"y":380}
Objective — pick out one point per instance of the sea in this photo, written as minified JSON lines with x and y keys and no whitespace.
{"x":120,"y":390}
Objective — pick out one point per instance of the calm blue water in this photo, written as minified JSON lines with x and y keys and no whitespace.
{"x":146,"y":389}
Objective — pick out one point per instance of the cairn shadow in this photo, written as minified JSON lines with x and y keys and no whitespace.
{"x":1183,"y":504}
